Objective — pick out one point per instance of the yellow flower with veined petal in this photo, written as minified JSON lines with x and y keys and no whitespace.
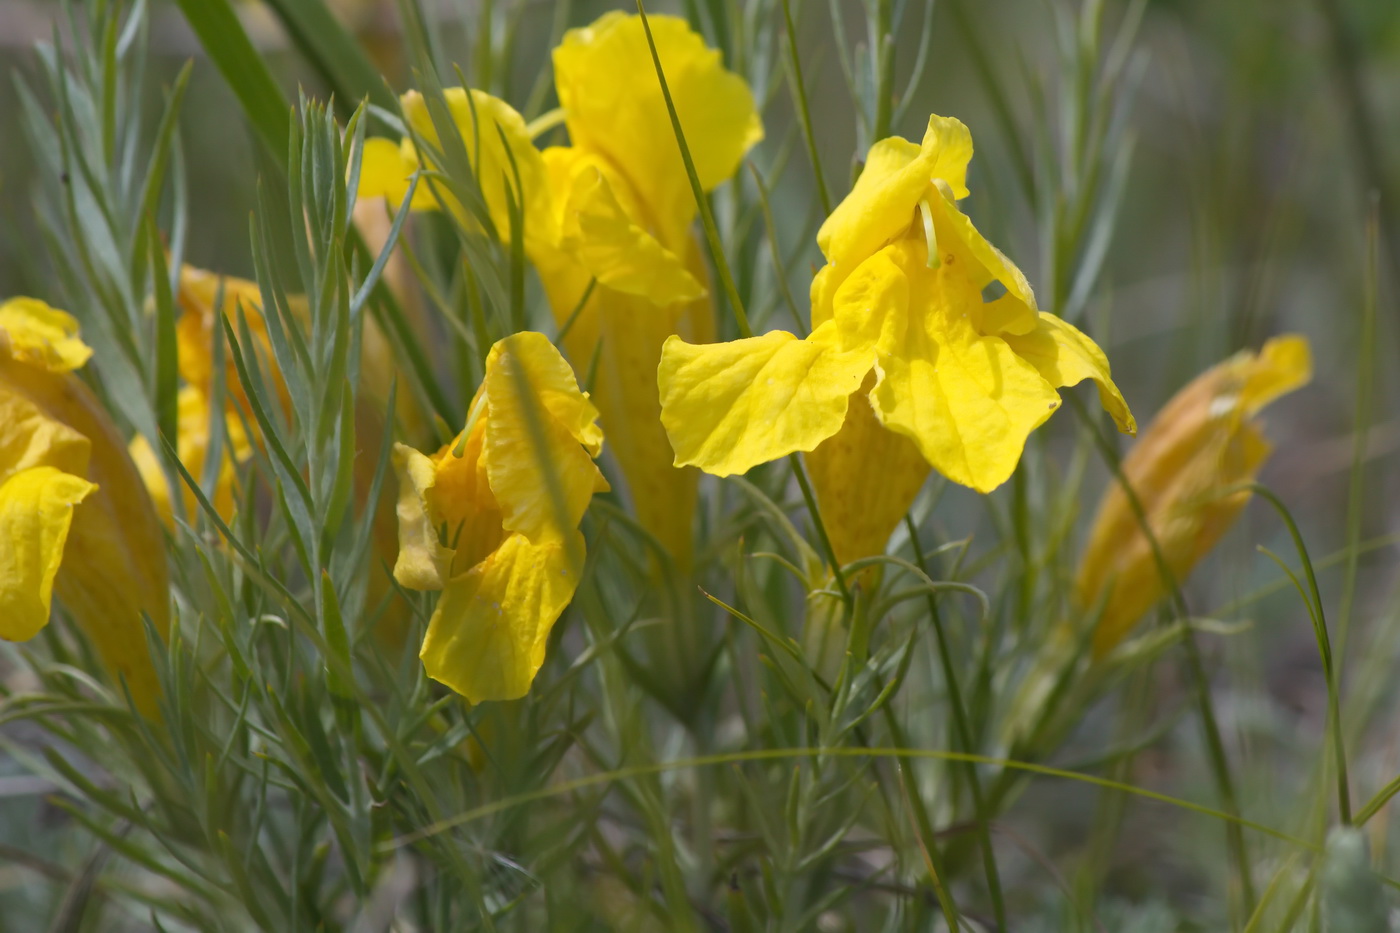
{"x":74,"y":517}
{"x":1203,"y":442}
{"x":492,"y":520}
{"x":900,"y":326}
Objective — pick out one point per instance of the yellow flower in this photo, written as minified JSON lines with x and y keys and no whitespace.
{"x":492,"y":520}
{"x":626,"y":218}
{"x":498,"y":148}
{"x":901,"y":328}
{"x":74,"y":517}
{"x":1204,"y":441}
{"x":613,"y":210}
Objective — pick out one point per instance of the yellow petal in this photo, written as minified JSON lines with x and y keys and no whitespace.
{"x":897,"y":175}
{"x":36,"y":510}
{"x":385,"y":168}
{"x":1283,"y":364}
{"x":967,"y":400}
{"x":423,"y":563}
{"x":38,"y":335}
{"x":871,"y":308}
{"x":114,"y":567}
{"x":865,"y":477}
{"x":1065,"y":357}
{"x":728,"y":407}
{"x":613,"y":106}
{"x":461,"y":501}
{"x":541,"y":435}
{"x":960,"y":242}
{"x":30,"y":436}
{"x":500,"y":152}
{"x":599,"y":234}
{"x":487,"y":638}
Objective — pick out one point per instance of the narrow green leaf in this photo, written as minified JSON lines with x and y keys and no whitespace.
{"x":244,"y":68}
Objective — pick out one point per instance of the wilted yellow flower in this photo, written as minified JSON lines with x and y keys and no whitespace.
{"x":1203,"y":442}
{"x":492,"y":520}
{"x":900,"y":325}
{"x":613,"y":210}
{"x":74,"y":516}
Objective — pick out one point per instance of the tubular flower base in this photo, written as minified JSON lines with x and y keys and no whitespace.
{"x":1203,"y":442}
{"x":74,"y":516}
{"x":612,"y":212}
{"x":492,"y":520}
{"x":901,"y":327}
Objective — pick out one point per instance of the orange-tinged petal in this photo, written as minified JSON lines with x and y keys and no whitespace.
{"x":487,"y":638}
{"x":1201,"y":443}
{"x":728,"y":407}
{"x":32,"y":332}
{"x":36,"y":511}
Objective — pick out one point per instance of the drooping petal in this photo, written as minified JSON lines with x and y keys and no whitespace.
{"x":36,"y":511}
{"x":114,"y":571}
{"x":728,"y":407}
{"x":423,"y":563}
{"x":502,"y":156}
{"x":1065,"y":357}
{"x":487,"y":638}
{"x":966,"y":400}
{"x":961,"y":243}
{"x":386,"y":167}
{"x":601,"y":235}
{"x":31,"y":437}
{"x":541,"y":436}
{"x":613,"y":105}
{"x":897,"y":175}
{"x":34,"y":333}
{"x":871,"y":308}
{"x":865,"y":477}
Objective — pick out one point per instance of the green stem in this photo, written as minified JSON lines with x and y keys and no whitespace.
{"x":829,"y":552}
{"x":964,"y":735}
{"x":1215,"y":744}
